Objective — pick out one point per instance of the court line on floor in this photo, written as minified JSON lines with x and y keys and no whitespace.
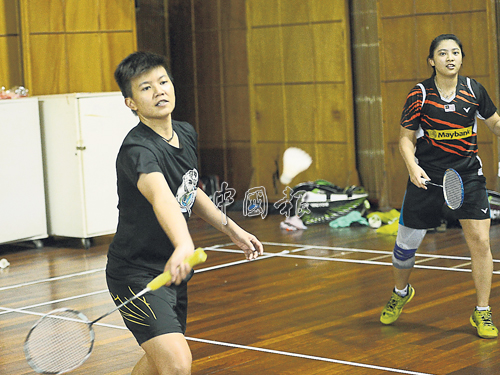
{"x":287,"y":253}
{"x":356,"y":250}
{"x":55,"y":278}
{"x":253,"y":348}
{"x":305,"y":356}
{"x":356,"y":261}
{"x":54,"y":301}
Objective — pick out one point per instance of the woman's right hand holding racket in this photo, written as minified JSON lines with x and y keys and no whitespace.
{"x":418,"y":177}
{"x":177,"y":265}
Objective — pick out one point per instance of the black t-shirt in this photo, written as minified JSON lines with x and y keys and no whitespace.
{"x":447,"y":129}
{"x":140,"y":244}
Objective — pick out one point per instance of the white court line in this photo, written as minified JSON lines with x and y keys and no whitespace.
{"x":21,"y":311}
{"x":371,"y":261}
{"x":53,"y":279}
{"x":355,"y":250}
{"x":54,"y":301}
{"x":357,"y":261}
{"x":262,"y":257}
{"x":254,"y":348}
{"x":305,"y":356}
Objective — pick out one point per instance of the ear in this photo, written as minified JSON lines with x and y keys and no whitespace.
{"x":431,"y":61}
{"x":129,"y":102}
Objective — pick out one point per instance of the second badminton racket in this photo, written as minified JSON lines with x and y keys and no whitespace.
{"x":453,"y":188}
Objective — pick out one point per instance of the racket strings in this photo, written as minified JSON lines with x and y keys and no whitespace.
{"x":453,"y":189}
{"x":59,"y":342}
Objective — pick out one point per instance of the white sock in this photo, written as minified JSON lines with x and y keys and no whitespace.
{"x":402,"y":292}
{"x":482,"y":308}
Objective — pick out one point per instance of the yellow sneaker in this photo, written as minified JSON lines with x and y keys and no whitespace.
{"x":394,"y":307}
{"x":482,"y":321}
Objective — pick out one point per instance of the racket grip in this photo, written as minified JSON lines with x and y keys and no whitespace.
{"x":198,"y":257}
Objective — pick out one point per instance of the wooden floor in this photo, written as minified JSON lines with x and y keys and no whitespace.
{"x":311,"y":305}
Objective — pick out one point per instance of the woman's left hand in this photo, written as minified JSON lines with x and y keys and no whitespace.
{"x":248,"y":243}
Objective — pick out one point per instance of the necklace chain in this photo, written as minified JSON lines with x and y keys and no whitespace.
{"x":441,"y":92}
{"x":169,"y":139}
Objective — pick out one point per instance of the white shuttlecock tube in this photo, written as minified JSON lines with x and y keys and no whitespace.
{"x":295,"y":161}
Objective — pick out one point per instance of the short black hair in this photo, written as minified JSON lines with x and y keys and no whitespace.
{"x":134,"y":65}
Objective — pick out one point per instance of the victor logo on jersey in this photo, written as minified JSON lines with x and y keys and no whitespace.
{"x":440,"y":135}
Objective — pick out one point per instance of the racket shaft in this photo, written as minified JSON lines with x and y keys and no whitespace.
{"x":198,"y":257}
{"x":428,"y":182}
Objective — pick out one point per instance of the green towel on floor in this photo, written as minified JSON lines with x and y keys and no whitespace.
{"x":347,"y":220}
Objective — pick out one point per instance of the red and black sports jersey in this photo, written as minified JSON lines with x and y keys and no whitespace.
{"x":447,"y":129}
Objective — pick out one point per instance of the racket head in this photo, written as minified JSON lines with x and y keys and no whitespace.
{"x":59,"y":342}
{"x":453,"y":189}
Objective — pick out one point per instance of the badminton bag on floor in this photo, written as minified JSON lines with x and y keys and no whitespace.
{"x":327,"y":202}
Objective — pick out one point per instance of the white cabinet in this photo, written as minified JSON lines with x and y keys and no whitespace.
{"x":22,"y":198}
{"x":81,"y":136}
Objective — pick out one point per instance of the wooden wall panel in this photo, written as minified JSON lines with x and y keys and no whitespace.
{"x":330,"y":49}
{"x":468,"y":5}
{"x":75,"y":45}
{"x":115,"y":46}
{"x":81,"y":15}
{"x":368,"y":101}
{"x":331,"y":116}
{"x":49,"y":62}
{"x":9,"y":17}
{"x":427,"y":27}
{"x":239,"y":170}
{"x":210,"y":68}
{"x":210,"y":113}
{"x":85,"y":74}
{"x":237,"y":111}
{"x":299,"y":53}
{"x":267,"y":156}
{"x":235,"y":57}
{"x":263,"y":12}
{"x":294,"y":11}
{"x":206,"y":14}
{"x":431,"y":6}
{"x":10,"y":61}
{"x":45,"y":16}
{"x":10,"y":45}
{"x":478,"y":55}
{"x":297,"y":47}
{"x":269,"y":112}
{"x":266,"y":56}
{"x":208,"y":56}
{"x":300,"y":112}
{"x":321,"y":10}
{"x":113,"y":16}
{"x":391,"y":8}
{"x":393,"y":67}
{"x":335,"y":157}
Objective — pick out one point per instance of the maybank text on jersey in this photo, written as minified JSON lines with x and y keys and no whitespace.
{"x":450,"y":134}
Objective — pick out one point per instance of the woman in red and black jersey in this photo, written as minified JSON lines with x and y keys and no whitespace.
{"x":439,"y":131}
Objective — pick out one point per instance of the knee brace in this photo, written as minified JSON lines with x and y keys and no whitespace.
{"x":407,"y":242}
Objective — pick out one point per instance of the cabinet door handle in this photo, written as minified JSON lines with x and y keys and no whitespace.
{"x":81,"y":148}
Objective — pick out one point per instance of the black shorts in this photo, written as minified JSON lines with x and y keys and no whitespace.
{"x":156,"y":313}
{"x":424,"y":209}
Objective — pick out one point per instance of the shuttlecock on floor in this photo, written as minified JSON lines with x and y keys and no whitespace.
{"x":4,"y":263}
{"x":295,"y":161}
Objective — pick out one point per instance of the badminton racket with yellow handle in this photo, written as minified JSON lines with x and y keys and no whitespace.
{"x":63,"y":339}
